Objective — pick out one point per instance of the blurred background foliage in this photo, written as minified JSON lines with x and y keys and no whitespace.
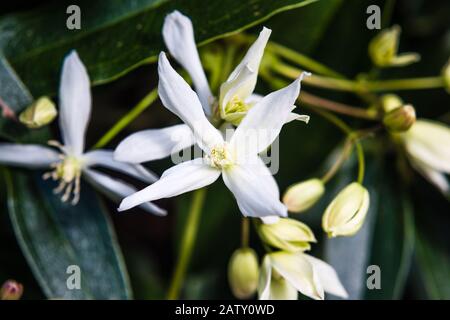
{"x":406,"y":231}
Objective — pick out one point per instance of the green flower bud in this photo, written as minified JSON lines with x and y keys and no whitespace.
{"x":39,"y":114}
{"x":11,"y":290}
{"x":383,"y":50}
{"x":303,"y":195}
{"x":243,"y":273}
{"x":400,"y":119}
{"x":390,"y":102}
{"x":446,"y":76}
{"x":345,"y":215}
{"x":287,"y":234}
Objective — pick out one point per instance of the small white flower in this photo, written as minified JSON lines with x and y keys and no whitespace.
{"x":427,"y":146}
{"x":237,"y":160}
{"x":235,"y":98}
{"x":284,"y":273}
{"x":71,"y":162}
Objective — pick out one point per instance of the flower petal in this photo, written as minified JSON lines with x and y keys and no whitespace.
{"x":184,"y":177}
{"x":116,"y":190}
{"x":178,"y":97}
{"x":327,"y":276}
{"x":154,"y":144}
{"x":251,"y":60}
{"x":104,"y":158}
{"x":299,"y":272}
{"x":265,"y":278}
{"x":28,"y":156}
{"x":264,"y":121}
{"x":254,"y":189}
{"x":74,"y":103}
{"x":178,"y":35}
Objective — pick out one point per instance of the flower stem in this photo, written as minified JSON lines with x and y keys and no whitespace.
{"x":323,"y":103}
{"x":346,"y":150}
{"x":187,"y":244}
{"x":360,"y":86}
{"x":127,"y":119}
{"x":245,"y":232}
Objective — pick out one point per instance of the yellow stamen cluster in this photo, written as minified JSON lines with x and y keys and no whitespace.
{"x":220,"y":157}
{"x":68,"y":173}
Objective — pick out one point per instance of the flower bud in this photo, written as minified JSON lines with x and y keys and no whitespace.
{"x":11,"y":290}
{"x":400,"y":119}
{"x":345,"y":215}
{"x":39,"y":114}
{"x":303,"y":195}
{"x":390,"y":102}
{"x":287,"y":234}
{"x":243,"y":273}
{"x":383,"y":49}
{"x":446,"y":76}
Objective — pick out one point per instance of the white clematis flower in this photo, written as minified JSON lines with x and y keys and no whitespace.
{"x":283,"y":274}
{"x":71,"y":162}
{"x":237,"y":160}
{"x":235,"y":98}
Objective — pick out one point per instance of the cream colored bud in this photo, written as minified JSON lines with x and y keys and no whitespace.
{"x":345,"y":215}
{"x":303,"y":195}
{"x":243,"y":273}
{"x":400,"y":119}
{"x":390,"y":102}
{"x":39,"y":114}
{"x":287,"y":234}
{"x":383,"y":49}
{"x":11,"y":290}
{"x":446,"y":76}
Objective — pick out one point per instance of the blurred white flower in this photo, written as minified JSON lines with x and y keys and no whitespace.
{"x":427,"y":144}
{"x":71,"y":162}
{"x":284,"y":273}
{"x":235,"y":98}
{"x":237,"y":159}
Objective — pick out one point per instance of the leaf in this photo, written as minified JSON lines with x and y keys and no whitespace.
{"x":434,"y":268}
{"x":393,"y":242}
{"x":116,"y":36}
{"x":54,"y":235}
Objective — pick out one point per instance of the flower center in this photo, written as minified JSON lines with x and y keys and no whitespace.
{"x":220,"y":157}
{"x":236,"y":105}
{"x":67,"y":172}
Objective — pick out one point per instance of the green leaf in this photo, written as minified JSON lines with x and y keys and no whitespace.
{"x":116,"y":36}
{"x":393,"y":242}
{"x":434,"y":266}
{"x":54,"y":235}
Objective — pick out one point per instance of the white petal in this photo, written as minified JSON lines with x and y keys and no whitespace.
{"x":265,"y":278}
{"x":327,"y":277}
{"x":295,"y":116}
{"x":264,"y":121}
{"x":184,"y":177}
{"x":74,"y":103}
{"x":104,"y":158}
{"x":178,"y":97}
{"x":252,"y":60}
{"x":254,"y":190}
{"x":178,"y":35}
{"x":270,"y":219}
{"x":116,"y":190}
{"x":298,"y":271}
{"x":281,"y":289}
{"x":28,"y":156}
{"x":154,"y":144}
{"x":438,"y":179}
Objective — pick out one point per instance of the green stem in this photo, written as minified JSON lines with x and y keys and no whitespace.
{"x":361,"y":162}
{"x":245,"y":232}
{"x":127,"y":119}
{"x":187,"y":244}
{"x":346,"y":150}
{"x":360,"y":86}
{"x":302,"y":60}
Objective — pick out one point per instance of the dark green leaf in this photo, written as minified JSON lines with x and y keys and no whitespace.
{"x":54,"y":235}
{"x":116,"y":36}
